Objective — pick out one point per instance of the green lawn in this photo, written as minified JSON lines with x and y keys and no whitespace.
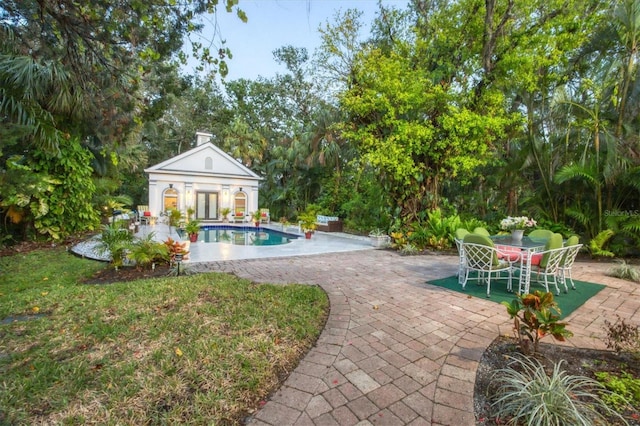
{"x":203,"y":349}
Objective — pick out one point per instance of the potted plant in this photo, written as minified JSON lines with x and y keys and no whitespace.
{"x":256,"y":217}
{"x":379,"y":239}
{"x":190,"y":213}
{"x":175,"y":216}
{"x":517,"y":225}
{"x":225,"y":213}
{"x":308,"y":224}
{"x":192,"y":229}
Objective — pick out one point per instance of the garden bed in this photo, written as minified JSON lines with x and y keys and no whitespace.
{"x":577,"y":361}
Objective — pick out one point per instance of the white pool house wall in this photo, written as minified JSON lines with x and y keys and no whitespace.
{"x":204,"y":178}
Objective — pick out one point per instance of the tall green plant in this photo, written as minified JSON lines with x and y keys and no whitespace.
{"x":115,"y":241}
{"x":144,"y":252}
{"x":441,"y":229}
{"x":597,"y":244}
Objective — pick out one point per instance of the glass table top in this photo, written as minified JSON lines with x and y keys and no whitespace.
{"x":526,"y":243}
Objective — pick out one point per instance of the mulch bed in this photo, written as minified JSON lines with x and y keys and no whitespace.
{"x":110,"y":275}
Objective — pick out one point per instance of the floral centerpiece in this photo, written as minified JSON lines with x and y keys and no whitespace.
{"x":522,"y":222}
{"x":517,"y":225}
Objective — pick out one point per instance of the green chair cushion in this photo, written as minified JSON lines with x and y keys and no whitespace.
{"x":481,"y":231}
{"x":554,"y":242}
{"x":540,"y":234}
{"x":572,"y":241}
{"x":460,"y":233}
{"x":484,"y":240}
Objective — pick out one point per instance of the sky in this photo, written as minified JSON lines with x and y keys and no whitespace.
{"x":276,"y":23}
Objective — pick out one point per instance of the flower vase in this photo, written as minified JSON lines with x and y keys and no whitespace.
{"x":516,"y":234}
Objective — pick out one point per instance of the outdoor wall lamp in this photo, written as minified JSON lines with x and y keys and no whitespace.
{"x":170,"y":185}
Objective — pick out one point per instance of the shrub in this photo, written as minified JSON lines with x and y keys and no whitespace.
{"x":528,"y":395}
{"x":535,"y":316}
{"x":623,"y":337}
{"x":409,"y":249}
{"x":115,"y":240}
{"x":625,"y":272}
{"x":597,"y":244}
{"x":176,"y":247}
{"x":145,"y":252}
{"x":437,"y":232}
{"x":624,"y":389}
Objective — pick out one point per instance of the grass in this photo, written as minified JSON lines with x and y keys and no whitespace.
{"x":203,"y":349}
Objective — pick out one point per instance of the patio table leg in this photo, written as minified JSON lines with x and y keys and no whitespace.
{"x":525,"y":273}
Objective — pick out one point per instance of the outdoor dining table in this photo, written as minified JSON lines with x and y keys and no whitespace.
{"x":524,"y":247}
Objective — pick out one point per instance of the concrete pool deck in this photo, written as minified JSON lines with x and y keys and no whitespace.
{"x":320,"y":242}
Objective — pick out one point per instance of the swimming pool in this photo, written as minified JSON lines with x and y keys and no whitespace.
{"x":243,"y":235}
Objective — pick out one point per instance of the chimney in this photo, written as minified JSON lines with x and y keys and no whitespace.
{"x":202,"y":138}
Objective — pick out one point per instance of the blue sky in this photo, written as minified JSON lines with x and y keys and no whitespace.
{"x":276,"y":23}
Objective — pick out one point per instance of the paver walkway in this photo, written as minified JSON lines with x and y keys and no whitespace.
{"x":395,"y":350}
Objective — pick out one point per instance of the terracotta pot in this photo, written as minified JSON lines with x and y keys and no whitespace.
{"x":307,"y":235}
{"x":193,"y":238}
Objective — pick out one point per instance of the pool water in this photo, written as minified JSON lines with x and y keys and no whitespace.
{"x":243,"y":236}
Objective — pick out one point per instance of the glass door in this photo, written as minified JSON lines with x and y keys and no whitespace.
{"x":207,"y":205}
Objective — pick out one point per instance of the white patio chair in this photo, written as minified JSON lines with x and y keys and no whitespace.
{"x":459,"y":235}
{"x":143,"y":214}
{"x":546,"y":263}
{"x":265,"y":216}
{"x":481,"y":256}
{"x":566,"y":264}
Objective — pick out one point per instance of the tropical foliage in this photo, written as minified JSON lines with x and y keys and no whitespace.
{"x":482,"y":109}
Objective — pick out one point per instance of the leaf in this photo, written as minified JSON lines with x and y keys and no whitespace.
{"x":178,"y":351}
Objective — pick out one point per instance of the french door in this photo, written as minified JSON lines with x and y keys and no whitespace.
{"x":207,"y":205}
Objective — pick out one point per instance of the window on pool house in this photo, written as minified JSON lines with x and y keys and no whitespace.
{"x":240,"y":204}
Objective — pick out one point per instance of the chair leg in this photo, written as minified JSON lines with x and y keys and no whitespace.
{"x":546,"y":284}
{"x":489,"y":284}
{"x":461,"y":270}
{"x":573,"y":286}
{"x":563,"y":280}
{"x":555,"y":282}
{"x":466,"y":278}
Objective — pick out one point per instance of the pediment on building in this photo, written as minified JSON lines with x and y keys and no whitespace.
{"x":206,"y":159}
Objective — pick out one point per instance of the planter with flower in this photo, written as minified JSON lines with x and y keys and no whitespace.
{"x":255,"y":216}
{"x":224,"y":212}
{"x":517,"y":225}
{"x":192,"y":229}
{"x":379,"y":238}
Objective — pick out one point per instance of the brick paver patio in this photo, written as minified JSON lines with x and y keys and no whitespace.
{"x":395,"y":350}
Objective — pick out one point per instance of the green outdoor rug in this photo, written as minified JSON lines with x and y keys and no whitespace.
{"x":567,"y":302}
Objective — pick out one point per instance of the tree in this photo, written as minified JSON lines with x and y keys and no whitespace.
{"x":82,"y":73}
{"x":415,"y":133}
